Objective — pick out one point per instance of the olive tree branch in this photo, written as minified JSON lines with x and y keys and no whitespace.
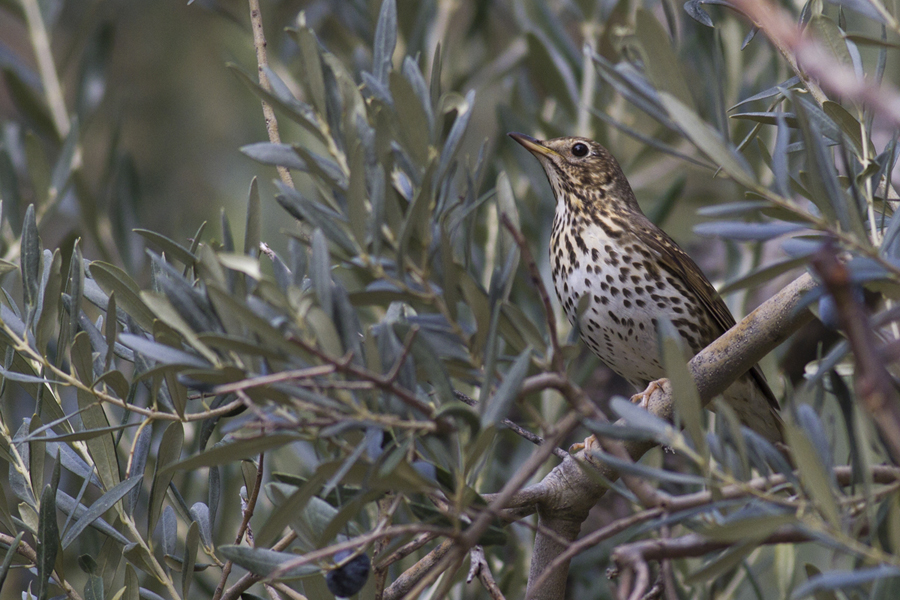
{"x":567,"y":493}
{"x":262,"y":61}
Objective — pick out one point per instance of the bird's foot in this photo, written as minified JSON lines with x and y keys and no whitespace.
{"x":589,"y":444}
{"x":642,"y":399}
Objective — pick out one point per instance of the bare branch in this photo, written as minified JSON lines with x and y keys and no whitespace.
{"x":557,"y":358}
{"x":262,"y":61}
{"x":874,"y":385}
{"x":632,"y":558}
{"x":479,"y":568}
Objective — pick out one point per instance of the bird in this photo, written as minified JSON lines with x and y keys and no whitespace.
{"x":615,"y":273}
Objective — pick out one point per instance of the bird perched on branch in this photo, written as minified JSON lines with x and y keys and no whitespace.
{"x":615,"y":273}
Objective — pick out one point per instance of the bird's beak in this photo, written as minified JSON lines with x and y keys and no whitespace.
{"x":533,"y":145}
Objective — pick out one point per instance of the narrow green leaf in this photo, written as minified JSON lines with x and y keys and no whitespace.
{"x":30,"y":104}
{"x":751,"y":528}
{"x":687,"y":399}
{"x":550,"y":67}
{"x":709,"y":141}
{"x":299,"y":112}
{"x":162,"y":353}
{"x":311,"y":74}
{"x":48,"y":534}
{"x":812,"y":474}
{"x":93,"y":588}
{"x":464,"y":112}
{"x":413,"y":122}
{"x":639,"y":418}
{"x":169,"y":530}
{"x":317,"y":215}
{"x":76,"y":510}
{"x":357,"y":212}
{"x":98,"y":508}
{"x":643,"y":470}
{"x":138,"y":556}
{"x":9,"y":556}
{"x":320,"y":271}
{"x":497,"y":406}
{"x":111,"y":328}
{"x":51,"y":295}
{"x":138,"y":465}
{"x":288,"y":504}
{"x":128,"y":295}
{"x":253,"y":229}
{"x":168,"y":454}
{"x":724,"y":562}
{"x":230,"y":451}
{"x":164,"y":310}
{"x":101,"y":448}
{"x":385,"y":41}
{"x":191,"y":542}
{"x":172,"y":248}
{"x":10,"y":190}
{"x":261,"y":561}
{"x":836,"y":580}
{"x":831,"y":37}
{"x":30,"y":261}
{"x":62,"y":170}
{"x":377,"y":198}
{"x":132,"y":586}
{"x":200,"y":513}
{"x":37,"y":452}
{"x":660,"y":59}
{"x":413,"y":74}
{"x":850,"y":127}
{"x":75,"y":289}
{"x":825,"y":189}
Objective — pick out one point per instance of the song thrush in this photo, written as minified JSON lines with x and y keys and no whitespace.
{"x":615,"y":272}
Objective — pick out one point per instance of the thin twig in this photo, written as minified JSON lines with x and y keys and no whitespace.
{"x":874,"y":384}
{"x":26,"y":551}
{"x":557,"y":358}
{"x":244,"y":583}
{"x":632,"y":558}
{"x":380,"y":381}
{"x":413,"y":577}
{"x":479,"y":568}
{"x":514,"y":427}
{"x":245,"y":524}
{"x":262,"y":61}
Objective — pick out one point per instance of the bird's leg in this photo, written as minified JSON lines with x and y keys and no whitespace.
{"x":642,"y":399}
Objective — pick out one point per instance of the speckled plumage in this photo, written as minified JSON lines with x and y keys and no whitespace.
{"x":615,"y":272}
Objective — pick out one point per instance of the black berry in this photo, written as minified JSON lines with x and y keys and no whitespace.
{"x":345,"y":581}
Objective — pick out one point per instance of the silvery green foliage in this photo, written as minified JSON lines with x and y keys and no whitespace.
{"x":138,"y":404}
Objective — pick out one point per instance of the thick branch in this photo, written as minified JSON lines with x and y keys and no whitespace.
{"x":568,"y":492}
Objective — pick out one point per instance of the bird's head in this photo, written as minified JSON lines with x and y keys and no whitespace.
{"x":582,"y":173}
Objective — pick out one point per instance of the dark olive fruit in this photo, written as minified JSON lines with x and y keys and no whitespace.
{"x":347,"y":580}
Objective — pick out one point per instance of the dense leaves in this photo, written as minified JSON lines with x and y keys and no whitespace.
{"x":320,"y":379}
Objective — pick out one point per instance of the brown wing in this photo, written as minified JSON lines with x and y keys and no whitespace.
{"x":676,"y":260}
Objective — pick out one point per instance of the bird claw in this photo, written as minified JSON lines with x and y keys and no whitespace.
{"x":642,"y":399}
{"x":589,"y":444}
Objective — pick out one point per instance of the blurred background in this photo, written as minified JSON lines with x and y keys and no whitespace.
{"x":163,"y":118}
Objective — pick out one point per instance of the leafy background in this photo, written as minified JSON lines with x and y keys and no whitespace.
{"x":389,"y":281}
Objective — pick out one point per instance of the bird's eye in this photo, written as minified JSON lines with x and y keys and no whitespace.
{"x":580,"y":149}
